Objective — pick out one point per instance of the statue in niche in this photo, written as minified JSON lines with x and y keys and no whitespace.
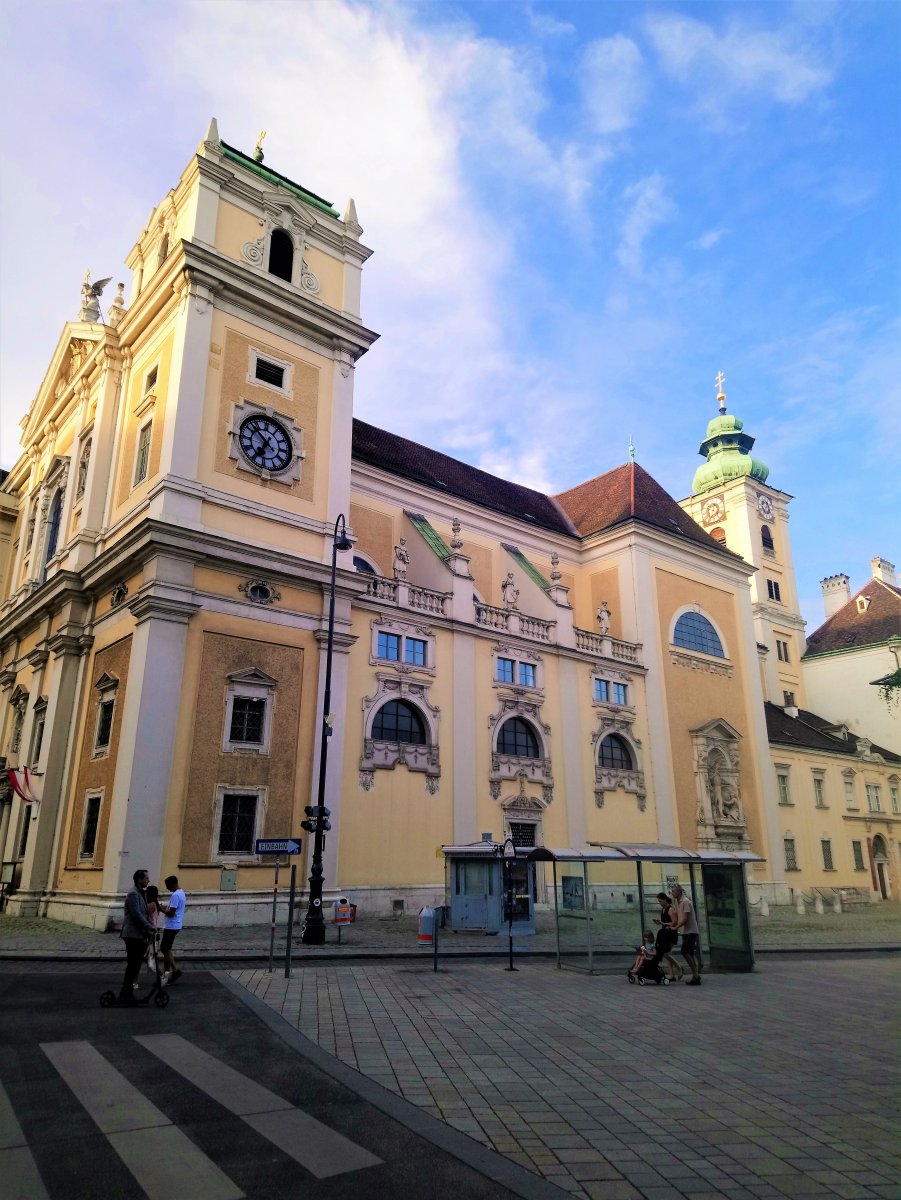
{"x":730,"y":806}
{"x":603,"y":617}
{"x":725,"y":803}
{"x":509,"y":591}
{"x":401,"y":559}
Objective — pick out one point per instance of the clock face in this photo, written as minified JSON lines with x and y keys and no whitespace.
{"x":765,"y":506}
{"x":265,"y":443}
{"x":712,"y":511}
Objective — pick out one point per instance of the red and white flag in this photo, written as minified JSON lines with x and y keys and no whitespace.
{"x":21,"y":784}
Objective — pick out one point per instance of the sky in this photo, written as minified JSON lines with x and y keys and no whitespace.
{"x":580,"y":213}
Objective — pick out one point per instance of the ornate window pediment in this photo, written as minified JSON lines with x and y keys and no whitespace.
{"x":522,"y":765}
{"x":414,"y":754}
{"x":618,"y":759}
{"x":106,"y":683}
{"x":252,"y":676}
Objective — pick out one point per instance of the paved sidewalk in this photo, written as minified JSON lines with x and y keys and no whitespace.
{"x":875,"y":926}
{"x":782,"y":1083}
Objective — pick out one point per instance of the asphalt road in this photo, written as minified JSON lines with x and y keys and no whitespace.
{"x":208,"y":1099}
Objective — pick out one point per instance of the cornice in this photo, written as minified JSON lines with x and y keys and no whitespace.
{"x":151,"y":605}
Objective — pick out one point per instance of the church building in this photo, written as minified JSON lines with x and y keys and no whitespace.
{"x":594,"y":666}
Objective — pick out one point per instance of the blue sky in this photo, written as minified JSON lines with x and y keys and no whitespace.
{"x":579,"y":212}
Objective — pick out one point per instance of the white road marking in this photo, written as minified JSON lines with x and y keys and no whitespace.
{"x":20,"y":1178}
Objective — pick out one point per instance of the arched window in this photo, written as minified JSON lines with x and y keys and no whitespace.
{"x":362,"y":566}
{"x":398,"y":721}
{"x":281,"y":254}
{"x":615,"y":753}
{"x":719,"y":535}
{"x":517,"y":737}
{"x":694,"y":632}
{"x":766,"y":539}
{"x":56,"y":512}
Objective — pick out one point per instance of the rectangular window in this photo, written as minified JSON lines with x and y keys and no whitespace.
{"x":784,"y":793}
{"x":850,"y":799}
{"x":788,"y":699}
{"x":104,"y":725}
{"x":601,"y":690}
{"x":819,"y":791}
{"x":37,"y":736}
{"x":414,"y":651}
{"x":150,"y":381}
{"x":619,"y":693}
{"x":773,"y":590}
{"x":248,"y":717}
{"x":505,"y":670}
{"x":527,"y":675}
{"x":270,"y":372}
{"x":89,"y":830}
{"x":389,"y":646}
{"x":874,"y":797}
{"x":142,"y":461}
{"x":782,"y":649}
{"x":826,"y":846}
{"x":857,"y":851}
{"x":238,"y":822}
{"x":26,"y":825}
{"x":791,"y":858}
{"x":896,"y":800}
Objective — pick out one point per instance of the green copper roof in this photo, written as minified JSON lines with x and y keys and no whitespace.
{"x":279,"y":180}
{"x":726,"y":449}
{"x":530,"y":569}
{"x":431,"y":535}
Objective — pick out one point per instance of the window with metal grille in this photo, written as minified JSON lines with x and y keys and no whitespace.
{"x":784,"y":793}
{"x":389,"y":646}
{"x":523,"y":833}
{"x":517,"y":737}
{"x":773,"y":590}
{"x":615,"y":753}
{"x":89,"y":829}
{"x":398,"y":721}
{"x":719,"y":535}
{"x":270,"y":372}
{"x":281,"y":254}
{"x":819,"y":791}
{"x":826,"y":846}
{"x":414,"y":651}
{"x":248,"y":715}
{"x":857,"y":851}
{"x":791,"y":857}
{"x":142,"y":459}
{"x":694,"y":632}
{"x":237,"y":823}
{"x":104,"y":724}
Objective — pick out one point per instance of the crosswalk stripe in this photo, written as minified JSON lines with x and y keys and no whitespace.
{"x":20,"y":1178}
{"x":318,"y":1148}
{"x":10,"y":1130}
{"x":160,"y":1156}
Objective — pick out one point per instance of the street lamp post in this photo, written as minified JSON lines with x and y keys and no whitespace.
{"x":317,"y":823}
{"x":509,"y":859}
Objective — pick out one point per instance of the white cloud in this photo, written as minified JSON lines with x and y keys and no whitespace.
{"x":708,"y":239}
{"x":548,"y":26}
{"x":613,"y":83}
{"x":738,"y":61}
{"x":648,"y":207}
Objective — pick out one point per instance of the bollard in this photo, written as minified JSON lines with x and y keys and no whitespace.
{"x":292,"y":893}
{"x":799,"y":907}
{"x":427,"y":925}
{"x":764,"y":907}
{"x":818,"y":905}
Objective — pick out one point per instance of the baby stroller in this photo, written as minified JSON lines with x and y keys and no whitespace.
{"x":650,"y":971}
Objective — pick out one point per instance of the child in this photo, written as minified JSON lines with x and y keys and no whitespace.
{"x":645,"y":952}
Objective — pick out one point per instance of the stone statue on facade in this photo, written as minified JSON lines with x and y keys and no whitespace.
{"x":90,"y":297}
{"x":603,"y":617}
{"x":509,"y":591}
{"x":401,"y":559}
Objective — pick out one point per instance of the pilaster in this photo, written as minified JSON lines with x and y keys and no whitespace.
{"x":188,"y":380}
{"x":465,"y":783}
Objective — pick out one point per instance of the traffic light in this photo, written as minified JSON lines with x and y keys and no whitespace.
{"x":315,"y":816}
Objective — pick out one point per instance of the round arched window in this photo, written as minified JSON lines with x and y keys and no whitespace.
{"x":398,"y":721}
{"x":517,"y":737}
{"x":615,"y":753}
{"x":694,"y":632}
{"x":281,"y":254}
{"x":362,"y":566}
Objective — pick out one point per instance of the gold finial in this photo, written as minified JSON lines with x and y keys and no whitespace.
{"x":258,"y":148}
{"x":720,"y":394}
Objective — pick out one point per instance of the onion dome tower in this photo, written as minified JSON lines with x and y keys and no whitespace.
{"x":726,"y":449}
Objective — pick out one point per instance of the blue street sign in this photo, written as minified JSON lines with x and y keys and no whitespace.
{"x":278,"y":846}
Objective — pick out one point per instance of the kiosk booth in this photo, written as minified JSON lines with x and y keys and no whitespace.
{"x":478,"y":882}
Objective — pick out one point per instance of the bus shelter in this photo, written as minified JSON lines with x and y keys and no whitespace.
{"x":604,"y":896}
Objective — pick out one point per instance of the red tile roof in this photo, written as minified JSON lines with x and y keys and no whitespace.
{"x":849,"y":629}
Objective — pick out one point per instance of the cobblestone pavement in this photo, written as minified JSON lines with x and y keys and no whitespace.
{"x":868,"y":925}
{"x":782,"y":1083}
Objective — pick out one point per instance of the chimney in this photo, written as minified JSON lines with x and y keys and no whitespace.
{"x":883,"y":570}
{"x":836,"y":592}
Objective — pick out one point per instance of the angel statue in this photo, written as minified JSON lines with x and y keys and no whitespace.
{"x":90,"y":298}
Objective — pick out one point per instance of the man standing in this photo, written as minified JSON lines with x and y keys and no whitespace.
{"x":687,"y":925}
{"x":136,"y":928}
{"x":174,"y":915}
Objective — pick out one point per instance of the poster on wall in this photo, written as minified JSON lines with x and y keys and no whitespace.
{"x":573,"y":892}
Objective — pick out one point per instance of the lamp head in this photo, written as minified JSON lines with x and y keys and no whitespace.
{"x":343,"y":542}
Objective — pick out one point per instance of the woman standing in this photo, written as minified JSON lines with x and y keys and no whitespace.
{"x":667,"y":935}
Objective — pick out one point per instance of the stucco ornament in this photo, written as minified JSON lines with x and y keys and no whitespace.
{"x":456,"y":540}
{"x":384,"y":755}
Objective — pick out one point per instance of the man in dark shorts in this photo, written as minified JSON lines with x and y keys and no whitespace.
{"x":687,"y":925}
{"x":136,"y":928}
{"x":174,"y":915}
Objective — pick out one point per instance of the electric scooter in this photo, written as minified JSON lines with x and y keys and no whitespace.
{"x":158,"y":993}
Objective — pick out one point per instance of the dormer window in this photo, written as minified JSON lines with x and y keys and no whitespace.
{"x":281,"y":254}
{"x":863,"y":603}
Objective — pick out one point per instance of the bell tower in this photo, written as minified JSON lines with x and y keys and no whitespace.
{"x":733,"y":501}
